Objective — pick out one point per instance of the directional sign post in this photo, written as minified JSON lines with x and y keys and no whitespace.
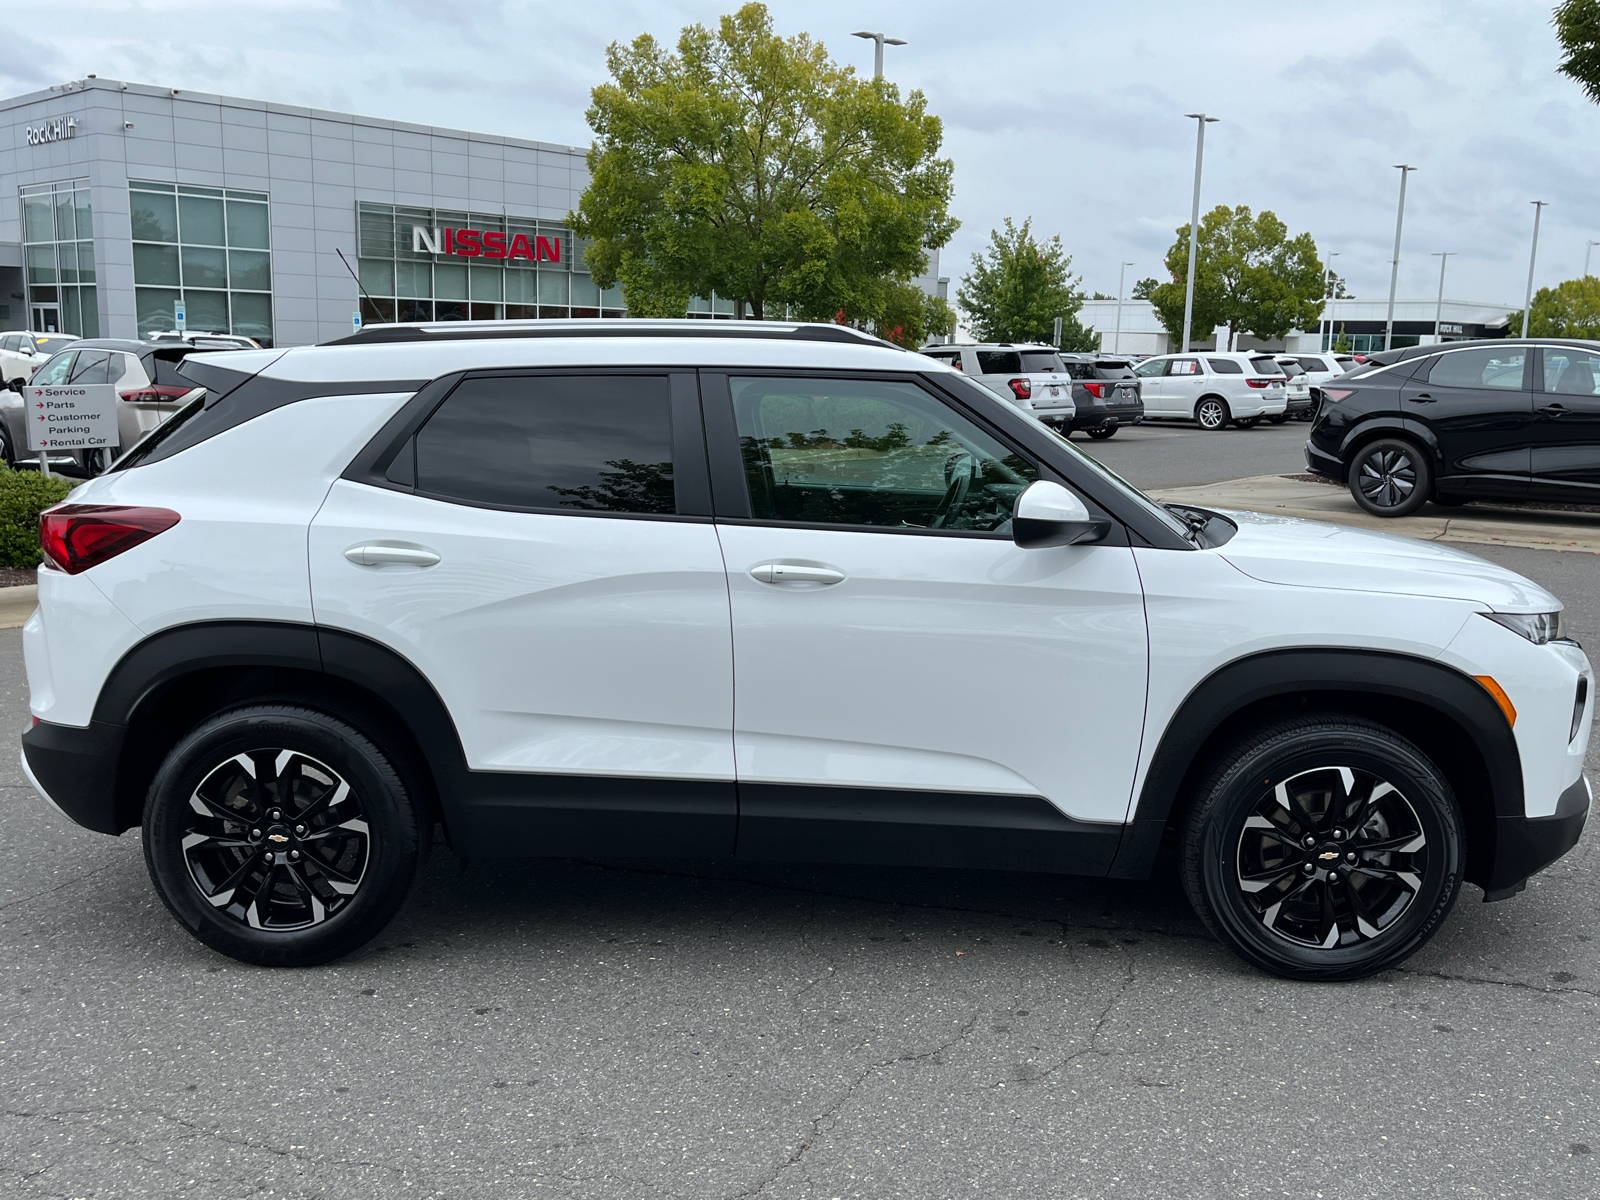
{"x":70,"y":417}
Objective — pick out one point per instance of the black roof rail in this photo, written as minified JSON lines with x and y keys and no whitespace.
{"x":599,"y":327}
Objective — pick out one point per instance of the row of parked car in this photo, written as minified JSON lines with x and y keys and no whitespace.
{"x":1099,"y":393}
{"x":145,"y":375}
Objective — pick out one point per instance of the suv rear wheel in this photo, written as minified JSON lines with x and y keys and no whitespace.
{"x":1211,"y":413}
{"x":281,"y":836}
{"x":1324,"y":848}
{"x":1390,"y":478}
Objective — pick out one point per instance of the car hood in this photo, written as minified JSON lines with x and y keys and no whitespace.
{"x":1301,"y":553}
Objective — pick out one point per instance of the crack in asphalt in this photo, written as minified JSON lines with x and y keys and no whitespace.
{"x":1094,"y":1034}
{"x":64,"y":884}
{"x":832,"y":1111}
{"x":1483,"y":981}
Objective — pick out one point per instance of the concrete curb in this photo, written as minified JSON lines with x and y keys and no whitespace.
{"x":17,"y":604}
{"x":1480,"y":524}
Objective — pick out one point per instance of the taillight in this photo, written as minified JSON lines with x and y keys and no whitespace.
{"x":1097,"y":390}
{"x":1020,"y":388}
{"x":75,"y":537}
{"x":1337,"y":394}
{"x":1261,"y":383}
{"x":157,"y":392}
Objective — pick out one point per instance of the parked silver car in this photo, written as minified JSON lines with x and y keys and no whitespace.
{"x":1028,"y":375}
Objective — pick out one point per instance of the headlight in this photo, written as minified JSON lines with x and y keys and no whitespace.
{"x":1538,"y":628}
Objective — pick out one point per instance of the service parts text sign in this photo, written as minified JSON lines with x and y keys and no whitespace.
{"x":74,"y":416}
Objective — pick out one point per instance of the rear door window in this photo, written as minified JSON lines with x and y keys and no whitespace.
{"x":999,"y":362}
{"x":570,"y":443}
{"x":1490,"y":367}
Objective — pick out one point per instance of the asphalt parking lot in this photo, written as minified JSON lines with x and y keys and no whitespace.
{"x":621,"y":1029}
{"x":1164,"y":454}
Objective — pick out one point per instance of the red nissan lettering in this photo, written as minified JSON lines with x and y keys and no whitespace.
{"x":494,"y":245}
{"x":520,"y":247}
{"x":545,"y":251}
{"x":468,"y":243}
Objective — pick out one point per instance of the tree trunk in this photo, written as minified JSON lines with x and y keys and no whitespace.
{"x":758,"y":311}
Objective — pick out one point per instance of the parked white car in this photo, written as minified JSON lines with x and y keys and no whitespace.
{"x":1323,"y":366}
{"x":763,"y":592}
{"x":22,"y":352}
{"x":1213,"y":388}
{"x":1028,"y":375}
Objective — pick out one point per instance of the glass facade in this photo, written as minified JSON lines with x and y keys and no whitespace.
{"x":400,"y":283}
{"x":58,"y":258}
{"x":210,"y":248}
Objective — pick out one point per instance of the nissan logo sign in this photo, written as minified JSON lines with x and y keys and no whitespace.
{"x":51,"y":131}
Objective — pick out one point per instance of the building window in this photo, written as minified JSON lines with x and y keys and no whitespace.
{"x":210,"y":248}
{"x":401,"y":280}
{"x":58,"y":258}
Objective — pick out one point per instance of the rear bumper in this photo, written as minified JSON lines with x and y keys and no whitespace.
{"x":1110,"y":414}
{"x":1526,"y":845}
{"x":1323,"y":463}
{"x":75,"y":769}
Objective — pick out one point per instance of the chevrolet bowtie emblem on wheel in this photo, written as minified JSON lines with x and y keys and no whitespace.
{"x":1328,"y":857}
{"x":279,"y":838}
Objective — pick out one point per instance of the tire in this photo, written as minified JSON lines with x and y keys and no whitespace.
{"x":6,"y":453}
{"x":1277,"y":419}
{"x":1102,"y":433}
{"x":1247,"y":422}
{"x":1390,"y":477}
{"x":1245,"y":857}
{"x":1211,"y":413}
{"x":335,"y":879}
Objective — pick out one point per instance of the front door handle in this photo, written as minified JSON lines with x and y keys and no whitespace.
{"x":1555,"y":410}
{"x":378,"y":554}
{"x":789,"y":572}
{"x":1422,"y":399}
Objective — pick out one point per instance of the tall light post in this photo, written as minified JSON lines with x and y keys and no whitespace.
{"x":1327,"y":297}
{"x":1533,"y":256}
{"x":879,"y":40}
{"x":1394,"y":270}
{"x":1194,"y":220}
{"x":1438,"y":313}
{"x":1588,"y":249}
{"x":1122,"y":274}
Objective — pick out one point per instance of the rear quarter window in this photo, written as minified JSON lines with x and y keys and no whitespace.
{"x":999,"y":362}
{"x":1225,"y":366}
{"x":1266,"y":366}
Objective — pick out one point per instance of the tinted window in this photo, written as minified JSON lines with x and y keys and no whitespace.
{"x":591,"y":442}
{"x":999,"y":362}
{"x":1266,"y":366}
{"x":1080,"y":370}
{"x":1571,"y":372}
{"x":1345,"y":363}
{"x":845,"y":452}
{"x":1313,"y":364}
{"x":1291,"y":369}
{"x":1040,"y":360}
{"x":93,"y":366}
{"x":10,"y":342}
{"x":949,"y":360}
{"x":1114,"y":370}
{"x":1151,"y":368}
{"x":1492,"y":367}
{"x":1225,"y":366}
{"x":54,"y":371}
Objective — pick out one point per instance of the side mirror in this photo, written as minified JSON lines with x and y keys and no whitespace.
{"x":16,"y":385}
{"x":1047,"y":514}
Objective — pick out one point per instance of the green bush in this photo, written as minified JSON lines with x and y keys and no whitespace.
{"x":23,"y":495}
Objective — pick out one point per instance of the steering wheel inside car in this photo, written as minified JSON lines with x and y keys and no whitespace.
{"x":960,"y":469}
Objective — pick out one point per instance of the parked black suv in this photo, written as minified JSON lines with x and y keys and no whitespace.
{"x":1106,"y":392}
{"x":1515,"y":420}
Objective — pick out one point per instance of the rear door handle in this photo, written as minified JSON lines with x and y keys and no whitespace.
{"x":1555,"y":410}
{"x":1422,"y":399}
{"x":377,"y":554}
{"x":784,"y":572}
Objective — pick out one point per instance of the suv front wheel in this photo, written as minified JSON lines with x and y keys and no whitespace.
{"x":281,"y":836}
{"x":1324,"y":848}
{"x":1390,"y":478}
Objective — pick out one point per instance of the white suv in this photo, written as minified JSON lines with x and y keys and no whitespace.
{"x":1212,"y":388}
{"x":768,"y":592}
{"x":1029,"y":375}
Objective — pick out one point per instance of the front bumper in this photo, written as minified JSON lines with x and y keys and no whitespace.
{"x":1526,"y":845}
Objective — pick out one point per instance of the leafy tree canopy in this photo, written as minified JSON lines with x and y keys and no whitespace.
{"x":754,"y":166}
{"x":1577,"y":25}
{"x":1250,"y":276}
{"x":1142,"y":289}
{"x":1570,"y":309}
{"x":1018,"y":286}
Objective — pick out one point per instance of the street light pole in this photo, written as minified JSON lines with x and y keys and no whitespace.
{"x":1327,"y":300}
{"x":1588,"y":250}
{"x":1533,"y":255}
{"x":1394,"y":270}
{"x":1438,"y":313}
{"x":1122,"y":274}
{"x":879,"y":40}
{"x":1194,"y":220}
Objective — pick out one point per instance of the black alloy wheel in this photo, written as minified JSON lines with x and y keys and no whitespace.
{"x":1102,"y":432}
{"x":280,"y":835}
{"x":1247,"y":422}
{"x":1277,"y":418}
{"x":1211,"y":413}
{"x":1324,"y":848}
{"x":1390,"y":478}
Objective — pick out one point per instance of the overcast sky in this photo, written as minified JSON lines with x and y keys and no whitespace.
{"x":1071,"y":113}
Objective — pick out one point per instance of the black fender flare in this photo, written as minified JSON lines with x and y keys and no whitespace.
{"x":1384,"y":425}
{"x":1323,"y":676}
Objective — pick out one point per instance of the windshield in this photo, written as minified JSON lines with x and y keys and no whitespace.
{"x":49,"y":343}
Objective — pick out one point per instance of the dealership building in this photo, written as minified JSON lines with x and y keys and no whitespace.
{"x":121,"y":203}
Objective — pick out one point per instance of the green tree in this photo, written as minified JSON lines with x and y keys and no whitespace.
{"x":1251,"y":277}
{"x":1570,"y":309}
{"x":754,"y":166}
{"x":1019,"y":286}
{"x":1142,"y":289}
{"x":1577,"y":25}
{"x":1342,"y":344}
